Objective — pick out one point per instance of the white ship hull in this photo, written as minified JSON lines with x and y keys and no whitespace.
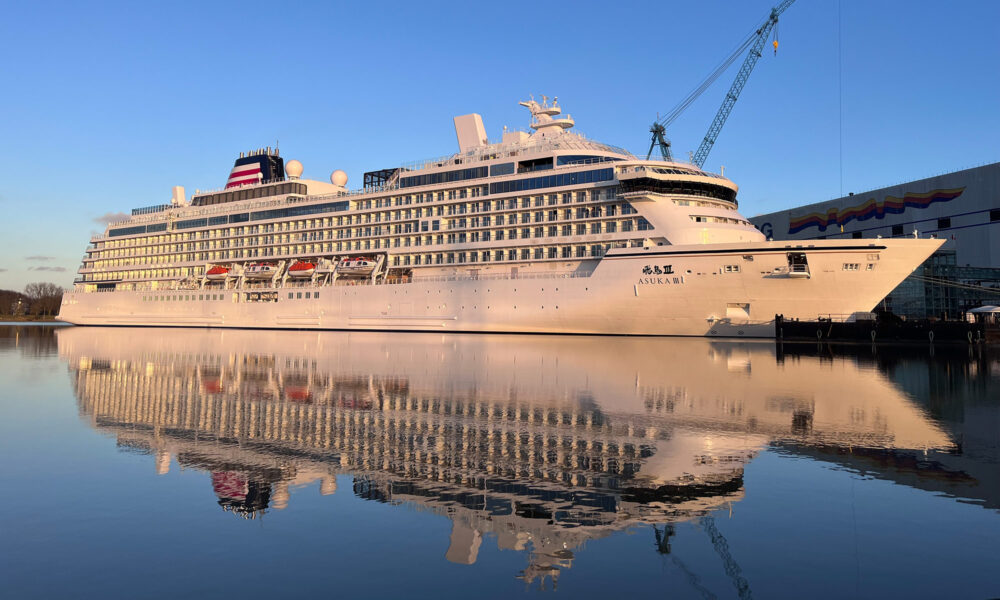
{"x":627,"y":293}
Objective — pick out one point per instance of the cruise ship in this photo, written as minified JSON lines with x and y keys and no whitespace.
{"x":540,"y":445}
{"x":545,"y":231}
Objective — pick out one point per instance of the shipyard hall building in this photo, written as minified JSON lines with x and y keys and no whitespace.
{"x":962,"y":208}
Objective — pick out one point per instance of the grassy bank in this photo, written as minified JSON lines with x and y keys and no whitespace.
{"x":30,"y":318}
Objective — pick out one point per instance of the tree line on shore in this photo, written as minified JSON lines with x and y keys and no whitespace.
{"x":39,"y":299}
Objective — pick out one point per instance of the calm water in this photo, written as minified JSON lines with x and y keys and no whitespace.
{"x":147,"y":463}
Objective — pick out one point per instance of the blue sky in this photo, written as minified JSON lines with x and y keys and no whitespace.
{"x":108,"y":105}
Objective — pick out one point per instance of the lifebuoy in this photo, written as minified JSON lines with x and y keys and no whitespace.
{"x":873,"y":335}
{"x":930,"y":335}
{"x":819,"y":334}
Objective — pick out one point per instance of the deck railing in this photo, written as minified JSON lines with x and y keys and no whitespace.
{"x":192,"y":284}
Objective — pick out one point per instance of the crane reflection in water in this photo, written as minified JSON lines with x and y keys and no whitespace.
{"x":540,"y":442}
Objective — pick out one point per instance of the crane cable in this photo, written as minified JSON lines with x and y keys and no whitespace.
{"x":710,"y":79}
{"x":954,"y":284}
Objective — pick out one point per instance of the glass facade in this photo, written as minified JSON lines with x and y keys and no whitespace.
{"x":940,"y":288}
{"x":534,"y":183}
{"x":502,"y":169}
{"x":249,"y":193}
{"x":444,"y":177}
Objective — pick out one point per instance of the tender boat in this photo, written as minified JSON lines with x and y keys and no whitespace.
{"x":259,"y":271}
{"x":357,"y":265}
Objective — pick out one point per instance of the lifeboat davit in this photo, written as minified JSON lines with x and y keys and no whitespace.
{"x":217,"y":273}
{"x":302,"y":268}
{"x":258,"y":271}
{"x":358,"y":265}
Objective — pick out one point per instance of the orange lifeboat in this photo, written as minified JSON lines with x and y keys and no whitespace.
{"x":212,"y":386}
{"x":298,"y":393}
{"x":217,"y":273}
{"x":301,"y":268}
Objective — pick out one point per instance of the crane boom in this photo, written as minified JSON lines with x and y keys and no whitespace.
{"x":741,"y":78}
{"x":728,"y":562}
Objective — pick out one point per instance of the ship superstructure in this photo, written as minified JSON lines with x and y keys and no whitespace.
{"x":544,"y":231}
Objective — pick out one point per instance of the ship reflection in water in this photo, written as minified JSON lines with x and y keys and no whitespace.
{"x":540,"y":443}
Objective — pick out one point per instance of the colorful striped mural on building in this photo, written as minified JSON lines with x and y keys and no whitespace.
{"x":871,"y":208}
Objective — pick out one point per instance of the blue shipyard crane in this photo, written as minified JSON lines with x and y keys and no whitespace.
{"x":755,"y":42}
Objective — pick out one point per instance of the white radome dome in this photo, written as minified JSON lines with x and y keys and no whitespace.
{"x":293,"y":169}
{"x":338,"y":177}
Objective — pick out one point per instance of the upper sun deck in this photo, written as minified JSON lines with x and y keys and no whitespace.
{"x":518,"y":145}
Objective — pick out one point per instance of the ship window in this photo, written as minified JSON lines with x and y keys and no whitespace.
{"x":501,"y":169}
{"x":538,"y":164}
{"x":995,"y":215}
{"x":897,"y":230}
{"x":856,"y":235}
{"x":519,"y":185}
{"x":315,"y":294}
{"x":298,"y":295}
{"x":447,"y":176}
{"x":944,"y":223}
